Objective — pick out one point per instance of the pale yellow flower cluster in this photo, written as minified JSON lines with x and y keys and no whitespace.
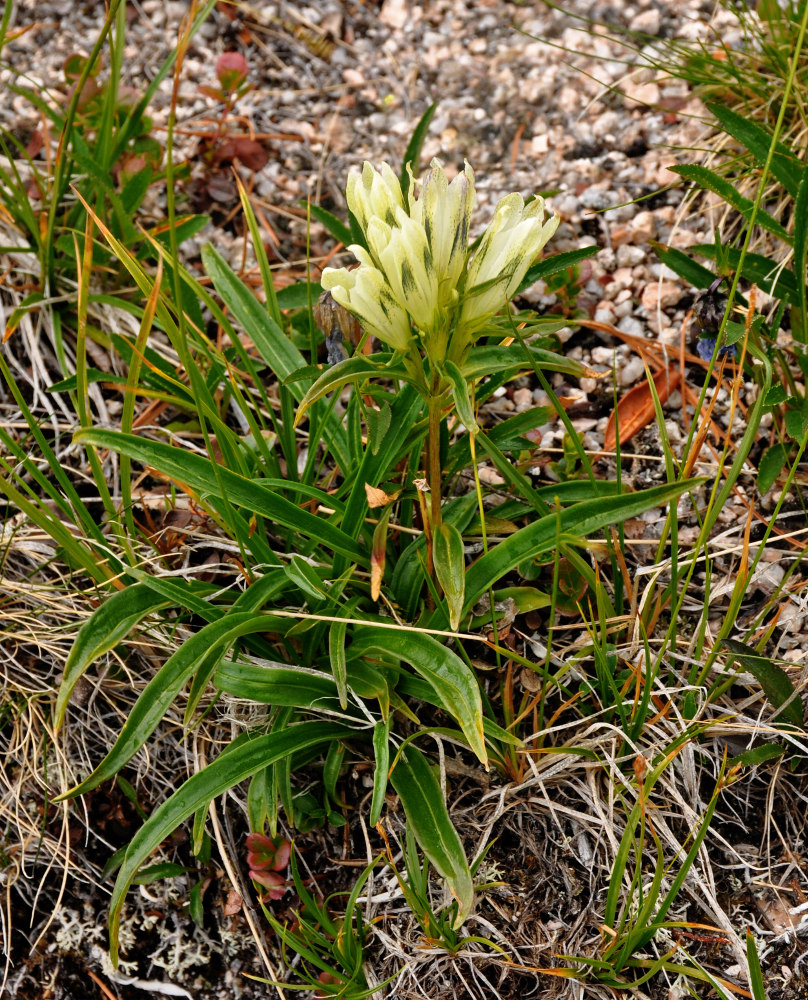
{"x":417,"y":273}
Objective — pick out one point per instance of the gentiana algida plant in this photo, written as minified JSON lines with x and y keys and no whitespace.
{"x":301,"y":631}
{"x":421,"y":290}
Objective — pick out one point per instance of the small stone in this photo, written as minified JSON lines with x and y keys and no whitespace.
{"x":631,"y":371}
{"x":630,"y":256}
{"x":394,"y":14}
{"x":643,"y":227}
{"x":660,"y":295}
{"x":490,"y":476}
{"x":523,"y":399}
{"x":645,"y":93}
{"x":648,"y":22}
{"x":620,"y":235}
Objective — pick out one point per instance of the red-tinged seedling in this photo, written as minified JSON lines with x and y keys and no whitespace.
{"x":267,"y":853}
{"x":266,"y":856}
{"x":231,"y":71}
{"x":272,"y":881}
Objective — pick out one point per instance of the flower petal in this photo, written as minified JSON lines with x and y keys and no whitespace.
{"x":443,"y":210}
{"x":366,"y":294}
{"x":405,"y":258}
{"x":508,"y":247}
{"x":374,"y":193}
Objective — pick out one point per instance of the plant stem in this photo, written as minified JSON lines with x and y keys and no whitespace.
{"x":435,"y":405}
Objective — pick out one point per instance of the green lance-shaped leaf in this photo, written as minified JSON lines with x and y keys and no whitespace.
{"x":774,"y":680}
{"x":772,"y":462}
{"x":452,"y":681}
{"x":450,"y":568}
{"x":461,"y":397}
{"x":422,"y":799}
{"x":784,"y":165}
{"x":274,"y":683}
{"x":540,"y":536}
{"x":354,"y":369}
{"x":412,"y":154}
{"x":238,"y":762}
{"x":554,"y":264}
{"x":196,"y":472}
{"x":339,"y":664}
{"x":163,"y":688}
{"x":381,"y":753}
{"x":710,"y":181}
{"x":102,"y":631}
{"x":484,"y":361}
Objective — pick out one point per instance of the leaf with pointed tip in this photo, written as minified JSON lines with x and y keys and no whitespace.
{"x":774,"y":680}
{"x":105,"y":628}
{"x":196,"y":472}
{"x":450,"y":569}
{"x":428,"y":818}
{"x":450,"y":678}
{"x":162,"y":689}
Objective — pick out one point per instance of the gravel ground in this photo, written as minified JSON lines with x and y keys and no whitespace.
{"x":536,"y":103}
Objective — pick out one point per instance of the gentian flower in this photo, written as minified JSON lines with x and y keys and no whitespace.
{"x":508,"y":247}
{"x":416,"y":271}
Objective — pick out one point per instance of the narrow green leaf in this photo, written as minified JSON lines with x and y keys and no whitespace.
{"x":273,"y":345}
{"x":694,"y":273}
{"x":555,"y":263}
{"x":774,"y":680}
{"x":196,"y":472}
{"x":381,"y":754}
{"x":784,"y":165}
{"x":428,"y":818}
{"x":350,"y":370}
{"x":450,"y":569}
{"x":298,"y":295}
{"x":753,"y":961}
{"x":234,"y":765}
{"x":272,"y":683}
{"x":460,"y":394}
{"x":755,"y":268}
{"x":453,"y":682}
{"x":579,"y":519}
{"x":757,"y":755}
{"x":801,"y":247}
{"x":708,"y":180}
{"x":338,"y":229}
{"x":483,"y":361}
{"x":161,"y":690}
{"x":101,"y":632}
{"x":339,"y":662}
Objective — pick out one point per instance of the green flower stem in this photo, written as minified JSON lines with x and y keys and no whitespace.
{"x":435,"y":402}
